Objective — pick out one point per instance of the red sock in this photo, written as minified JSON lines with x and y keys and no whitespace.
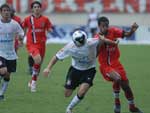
{"x":34,"y":77}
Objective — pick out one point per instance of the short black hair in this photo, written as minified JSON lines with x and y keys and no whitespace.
{"x":36,"y":2}
{"x":103,"y":19}
{"x":4,"y":6}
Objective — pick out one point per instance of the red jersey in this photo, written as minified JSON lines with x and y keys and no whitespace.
{"x":37,"y":28}
{"x":17,"y":18}
{"x":109,"y":54}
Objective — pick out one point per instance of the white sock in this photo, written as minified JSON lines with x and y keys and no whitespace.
{"x":74,"y":102}
{"x":4,"y":87}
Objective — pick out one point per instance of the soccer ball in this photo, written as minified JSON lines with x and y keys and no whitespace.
{"x":79,"y":37}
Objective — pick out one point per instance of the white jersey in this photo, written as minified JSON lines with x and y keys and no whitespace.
{"x":83,"y":57}
{"x":8,"y":32}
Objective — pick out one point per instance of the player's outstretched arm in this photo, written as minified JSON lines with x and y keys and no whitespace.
{"x":107,"y":41}
{"x":52,"y":62}
{"x":134,"y":27}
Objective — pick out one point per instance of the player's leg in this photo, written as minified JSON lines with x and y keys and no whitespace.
{"x":86,"y":80}
{"x":124,"y":83}
{"x":129,"y":95}
{"x":35,"y":72}
{"x":116,"y":92}
{"x":9,"y":66}
{"x":30,"y":63}
{"x":3,"y":71}
{"x":72,"y":81}
{"x":77,"y":98}
{"x":34,"y":51}
{"x":110,"y":74}
{"x":116,"y":78}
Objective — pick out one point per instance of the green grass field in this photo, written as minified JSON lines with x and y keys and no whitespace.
{"x":50,"y":96}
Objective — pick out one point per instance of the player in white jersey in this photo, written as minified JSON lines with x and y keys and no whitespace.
{"x":82,"y":71}
{"x":8,"y":31}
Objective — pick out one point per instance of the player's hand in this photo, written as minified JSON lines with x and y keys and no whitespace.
{"x":101,"y":37}
{"x":20,"y":43}
{"x":134,"y":27}
{"x":116,"y":41}
{"x":46,"y":72}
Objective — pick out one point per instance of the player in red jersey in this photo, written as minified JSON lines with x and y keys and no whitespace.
{"x":37,"y":25}
{"x":18,"y":19}
{"x":110,"y":66}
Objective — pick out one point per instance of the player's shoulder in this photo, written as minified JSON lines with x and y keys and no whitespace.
{"x":14,"y":21}
{"x":114,"y":28}
{"x":27,"y":18}
{"x":45,"y":17}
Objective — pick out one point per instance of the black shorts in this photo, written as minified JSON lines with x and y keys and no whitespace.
{"x":10,"y":64}
{"x":76,"y":77}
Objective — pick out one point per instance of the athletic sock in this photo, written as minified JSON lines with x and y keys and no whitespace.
{"x":4,"y":87}
{"x":130,"y":98}
{"x":74,"y":102}
{"x":36,"y":68}
{"x":116,"y":91}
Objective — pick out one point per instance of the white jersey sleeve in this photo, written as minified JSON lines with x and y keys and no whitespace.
{"x":64,"y":52}
{"x":19,"y":30}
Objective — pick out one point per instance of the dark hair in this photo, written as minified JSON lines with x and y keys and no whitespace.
{"x":36,"y":2}
{"x":4,"y":6}
{"x":103,"y":19}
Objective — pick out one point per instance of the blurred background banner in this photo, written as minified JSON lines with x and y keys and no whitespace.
{"x":66,"y":15}
{"x":62,"y":34}
{"x":114,"y":6}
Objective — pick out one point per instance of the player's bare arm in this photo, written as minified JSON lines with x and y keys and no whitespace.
{"x":52,"y":62}
{"x":107,"y":41}
{"x":134,"y":27}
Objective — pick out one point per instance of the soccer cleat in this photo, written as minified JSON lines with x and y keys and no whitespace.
{"x":1,"y":97}
{"x":135,"y":110}
{"x":117,"y":109}
{"x":69,"y":110}
{"x":32,"y":86}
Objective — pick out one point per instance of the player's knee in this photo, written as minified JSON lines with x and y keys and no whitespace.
{"x":3,"y":71}
{"x":68,"y":93}
{"x":37,"y":59}
{"x":118,"y":80}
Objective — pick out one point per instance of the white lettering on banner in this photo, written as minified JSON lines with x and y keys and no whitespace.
{"x":116,"y":6}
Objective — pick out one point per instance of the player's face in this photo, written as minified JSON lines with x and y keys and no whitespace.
{"x":5,"y":13}
{"x":36,"y":9}
{"x":103,"y":27}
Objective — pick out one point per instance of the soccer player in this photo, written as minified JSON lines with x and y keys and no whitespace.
{"x":82,"y":70}
{"x":110,"y":66}
{"x":18,"y":19}
{"x":37,"y":26}
{"x":8,"y":31}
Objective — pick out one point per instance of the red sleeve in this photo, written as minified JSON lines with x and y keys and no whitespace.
{"x":24,"y":23}
{"x":48,"y":24}
{"x":118,"y":32}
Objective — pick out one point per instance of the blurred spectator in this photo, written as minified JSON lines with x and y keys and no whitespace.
{"x":92,"y":21}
